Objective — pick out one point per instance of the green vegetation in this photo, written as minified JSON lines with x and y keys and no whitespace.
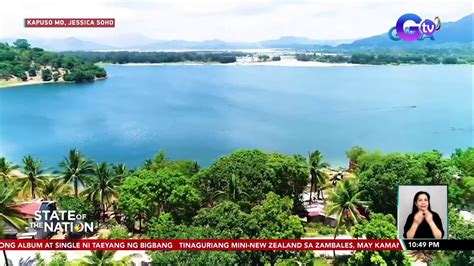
{"x":118,"y":232}
{"x":53,"y":188}
{"x":8,"y":214}
{"x":379,"y":226}
{"x":248,"y":194}
{"x":393,"y":57}
{"x":123,"y":57}
{"x":22,"y":62}
{"x":318,"y":176}
{"x":75,"y":169}
{"x":380,"y":174}
{"x":67,"y":202}
{"x":319,"y":229}
{"x":34,"y":176}
{"x":6,"y":168}
{"x":58,"y":259}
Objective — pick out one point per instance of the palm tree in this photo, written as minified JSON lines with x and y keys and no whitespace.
{"x":105,"y":257}
{"x":2,"y":227}
{"x":120,"y":171}
{"x":6,"y":167}
{"x":103,"y":187}
{"x":345,"y":201}
{"x":54,"y":188}
{"x":34,"y":176}
{"x":317,"y":174}
{"x":8,"y":214}
{"x":8,"y":192}
{"x":336,"y":178}
{"x":233,"y":191}
{"x":75,"y":169}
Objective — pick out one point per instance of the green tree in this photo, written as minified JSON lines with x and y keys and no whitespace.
{"x":56,"y":76}
{"x":34,"y":176}
{"x":273,"y":220}
{"x":256,"y":172}
{"x":105,"y":258}
{"x":379,"y":226}
{"x":226,"y":218}
{"x":288,"y":176}
{"x":21,"y":44}
{"x":53,"y":188}
{"x":164,"y":227}
{"x":450,"y":60}
{"x":120,"y":171}
{"x":32,"y":72}
{"x":233,"y":190}
{"x":79,"y":205}
{"x":353,"y":154}
{"x":138,"y":196}
{"x":58,"y":259}
{"x":464,"y":160}
{"x":160,"y":161}
{"x":102,"y":189}
{"x":184,"y":201}
{"x":118,"y":232}
{"x":46,"y":74}
{"x":345,"y":202}
{"x":317,"y":174}
{"x":460,"y":229}
{"x":381,"y":175}
{"x":6,"y":168}
{"x":76,"y":169}
{"x":8,"y":214}
{"x":250,"y":166}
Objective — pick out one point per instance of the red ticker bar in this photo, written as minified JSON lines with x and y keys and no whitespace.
{"x":201,"y":244}
{"x":70,"y":22}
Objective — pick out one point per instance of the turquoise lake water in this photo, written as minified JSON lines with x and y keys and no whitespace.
{"x":202,"y":112}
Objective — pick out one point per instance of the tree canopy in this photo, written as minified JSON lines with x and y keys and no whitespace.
{"x":23,"y":62}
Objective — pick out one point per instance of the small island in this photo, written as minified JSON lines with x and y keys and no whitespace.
{"x":20,"y":64}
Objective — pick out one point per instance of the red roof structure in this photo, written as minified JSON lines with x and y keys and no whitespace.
{"x":28,"y":210}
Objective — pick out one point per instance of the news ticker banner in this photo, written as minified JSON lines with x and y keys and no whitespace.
{"x":69,"y":22}
{"x":232,"y":244}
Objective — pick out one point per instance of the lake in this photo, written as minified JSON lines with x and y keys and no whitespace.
{"x":202,"y":112}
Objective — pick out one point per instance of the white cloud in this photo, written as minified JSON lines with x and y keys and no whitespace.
{"x":238,"y":20}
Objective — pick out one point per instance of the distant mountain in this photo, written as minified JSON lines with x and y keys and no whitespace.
{"x":182,"y":45}
{"x":292,"y":42}
{"x":67,"y":44}
{"x":126,"y":41}
{"x":458,"y":33}
{"x":288,"y":42}
{"x":141,"y":42}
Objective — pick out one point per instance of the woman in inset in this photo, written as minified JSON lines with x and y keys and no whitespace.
{"x":423,"y":222}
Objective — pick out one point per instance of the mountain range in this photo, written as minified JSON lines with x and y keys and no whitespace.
{"x":452,"y":34}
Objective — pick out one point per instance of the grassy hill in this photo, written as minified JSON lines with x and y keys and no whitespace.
{"x":20,"y":62}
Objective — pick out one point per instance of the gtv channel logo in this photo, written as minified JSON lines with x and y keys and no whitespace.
{"x":421,"y":30}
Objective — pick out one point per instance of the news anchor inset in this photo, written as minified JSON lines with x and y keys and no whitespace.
{"x":423,"y":222}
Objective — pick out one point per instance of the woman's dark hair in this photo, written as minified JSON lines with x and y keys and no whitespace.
{"x":415,"y":198}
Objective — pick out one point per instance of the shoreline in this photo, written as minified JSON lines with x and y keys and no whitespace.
{"x":18,"y":83}
{"x":286,"y":63}
{"x":289,"y":63}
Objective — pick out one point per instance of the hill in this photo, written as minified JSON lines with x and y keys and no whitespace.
{"x":21,"y":62}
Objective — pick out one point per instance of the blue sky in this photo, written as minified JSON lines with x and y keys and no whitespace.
{"x":230,"y":20}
